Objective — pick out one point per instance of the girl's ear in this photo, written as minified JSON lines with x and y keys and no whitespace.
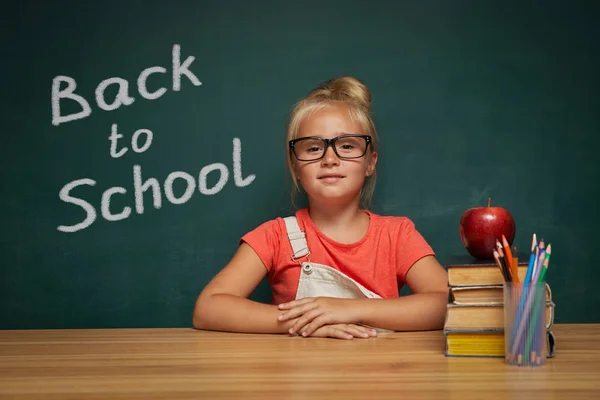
{"x":371,"y":164}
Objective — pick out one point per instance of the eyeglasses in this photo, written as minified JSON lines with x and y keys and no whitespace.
{"x":345,"y":147}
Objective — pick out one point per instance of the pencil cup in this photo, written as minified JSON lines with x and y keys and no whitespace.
{"x":525,"y":324}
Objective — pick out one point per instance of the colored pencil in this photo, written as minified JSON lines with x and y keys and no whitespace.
{"x":503,"y":261}
{"x":536,"y":318}
{"x":499,"y":263}
{"x":539,"y":257}
{"x":526,"y":313}
{"x":515,"y":263}
{"x":531,"y":259}
{"x":513,"y":268}
{"x":546,"y":263}
{"x":523,"y":294}
{"x":526,"y":344}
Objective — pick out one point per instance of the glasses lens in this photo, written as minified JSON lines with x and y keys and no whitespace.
{"x":309,"y":149}
{"x":351,"y":146}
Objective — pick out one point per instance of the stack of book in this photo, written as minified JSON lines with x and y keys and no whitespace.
{"x":474,"y":323}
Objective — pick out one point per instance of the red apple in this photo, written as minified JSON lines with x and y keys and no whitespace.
{"x":480,"y":227}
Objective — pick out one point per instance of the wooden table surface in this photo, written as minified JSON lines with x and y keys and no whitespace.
{"x":186,"y":363}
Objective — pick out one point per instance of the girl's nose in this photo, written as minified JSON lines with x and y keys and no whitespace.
{"x":330,"y":157}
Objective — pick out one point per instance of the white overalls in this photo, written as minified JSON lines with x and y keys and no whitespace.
{"x":319,"y":280}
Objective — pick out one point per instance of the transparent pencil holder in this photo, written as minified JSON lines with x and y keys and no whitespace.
{"x":525,"y":324}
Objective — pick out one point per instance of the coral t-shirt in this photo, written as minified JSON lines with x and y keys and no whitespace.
{"x":379,"y":261}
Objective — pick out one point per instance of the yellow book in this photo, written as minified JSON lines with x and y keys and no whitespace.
{"x":483,"y":343}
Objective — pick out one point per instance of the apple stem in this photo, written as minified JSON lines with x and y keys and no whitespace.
{"x":489,"y":201}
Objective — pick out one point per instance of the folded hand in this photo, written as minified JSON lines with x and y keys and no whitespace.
{"x":344,"y":331}
{"x":313,"y":313}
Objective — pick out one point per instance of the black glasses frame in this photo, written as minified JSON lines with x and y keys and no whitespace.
{"x":328,"y":142}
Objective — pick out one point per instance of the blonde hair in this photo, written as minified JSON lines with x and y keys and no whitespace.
{"x":343,"y":90}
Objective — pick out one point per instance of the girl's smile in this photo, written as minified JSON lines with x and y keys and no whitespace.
{"x":331,"y":178}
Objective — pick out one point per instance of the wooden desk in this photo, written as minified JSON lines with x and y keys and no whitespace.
{"x":185,"y":363}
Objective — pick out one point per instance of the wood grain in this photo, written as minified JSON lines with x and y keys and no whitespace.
{"x":190,"y":364}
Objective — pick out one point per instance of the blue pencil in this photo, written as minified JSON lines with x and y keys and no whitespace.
{"x":531,"y":262}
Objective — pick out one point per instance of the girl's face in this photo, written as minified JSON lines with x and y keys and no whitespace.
{"x":333,"y":180}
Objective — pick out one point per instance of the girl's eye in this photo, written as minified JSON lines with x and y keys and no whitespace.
{"x":313,"y":149}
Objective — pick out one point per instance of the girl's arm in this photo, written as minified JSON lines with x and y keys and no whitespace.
{"x":423,"y":310}
{"x":223,"y":304}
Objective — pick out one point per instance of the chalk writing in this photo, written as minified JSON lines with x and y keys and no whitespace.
{"x":143,"y":184}
{"x":122,"y":97}
{"x":141,"y":140}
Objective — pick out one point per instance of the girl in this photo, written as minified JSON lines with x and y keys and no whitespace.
{"x":335,"y":268}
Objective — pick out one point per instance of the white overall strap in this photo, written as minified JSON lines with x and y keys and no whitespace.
{"x":297,"y":238}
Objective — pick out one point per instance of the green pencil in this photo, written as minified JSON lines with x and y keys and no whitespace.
{"x":548,"y":253}
{"x":540,"y":288}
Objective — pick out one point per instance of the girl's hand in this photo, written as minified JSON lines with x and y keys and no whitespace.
{"x":344,"y":331}
{"x":315,"y":312}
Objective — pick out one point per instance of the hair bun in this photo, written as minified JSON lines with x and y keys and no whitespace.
{"x":346,"y":89}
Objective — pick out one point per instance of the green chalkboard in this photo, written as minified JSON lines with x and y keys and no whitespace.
{"x":472,"y":99}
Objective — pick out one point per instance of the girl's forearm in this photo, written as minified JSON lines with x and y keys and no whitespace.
{"x":226,"y":312}
{"x":422,"y":311}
